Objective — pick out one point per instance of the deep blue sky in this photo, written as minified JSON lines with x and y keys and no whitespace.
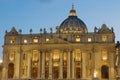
{"x":36,"y":14}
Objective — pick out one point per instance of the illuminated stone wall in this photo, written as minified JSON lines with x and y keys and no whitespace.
{"x":74,"y":53}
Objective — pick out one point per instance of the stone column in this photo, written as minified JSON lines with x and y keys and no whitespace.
{"x":29,"y":65}
{"x":73,"y":67}
{"x":61,"y":66}
{"x":83,"y":66}
{"x":43,"y":65}
{"x":68,"y":65}
{"x":17,"y":66}
{"x":50,"y":66}
{"x":4,"y":72}
{"x":39,"y":61}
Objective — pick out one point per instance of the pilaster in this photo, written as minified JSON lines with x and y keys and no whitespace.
{"x":17,"y":66}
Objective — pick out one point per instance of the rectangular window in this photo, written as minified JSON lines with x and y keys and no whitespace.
{"x":47,"y":39}
{"x":12,"y":41}
{"x":25,"y":40}
{"x":35,"y":40}
{"x":89,"y":39}
{"x":77,"y":39}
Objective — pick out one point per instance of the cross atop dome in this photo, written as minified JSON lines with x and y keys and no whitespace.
{"x":72,"y":11}
{"x":72,"y":6}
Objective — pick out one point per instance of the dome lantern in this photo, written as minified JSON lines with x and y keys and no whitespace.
{"x":72,"y":11}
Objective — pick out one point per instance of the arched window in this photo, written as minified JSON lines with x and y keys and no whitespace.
{"x":10,"y":70}
{"x":105,"y":72}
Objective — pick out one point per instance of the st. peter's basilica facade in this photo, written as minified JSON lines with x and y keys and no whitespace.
{"x":69,"y":53}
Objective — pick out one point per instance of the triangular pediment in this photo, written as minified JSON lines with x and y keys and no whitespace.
{"x":57,"y":41}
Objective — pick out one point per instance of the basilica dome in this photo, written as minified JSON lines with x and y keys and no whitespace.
{"x":73,"y":24}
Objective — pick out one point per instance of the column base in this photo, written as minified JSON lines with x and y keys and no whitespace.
{"x":43,"y":76}
{"x":50,"y":77}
